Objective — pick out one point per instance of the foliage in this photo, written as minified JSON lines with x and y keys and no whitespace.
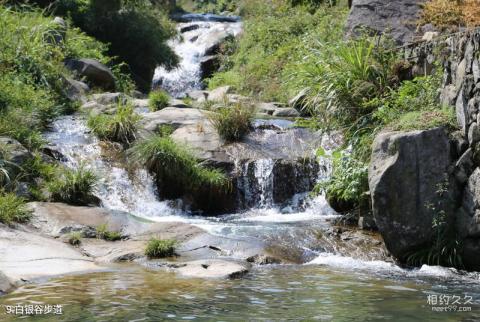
{"x":136,"y":31}
{"x":232,"y":122}
{"x":73,"y":186}
{"x":424,"y":120}
{"x":276,"y":36}
{"x":75,"y":238}
{"x":13,"y":209}
{"x":158,"y":100}
{"x":160,"y":248}
{"x":175,"y":163}
{"x":119,"y":127}
{"x":447,"y":13}
{"x":103,"y":233}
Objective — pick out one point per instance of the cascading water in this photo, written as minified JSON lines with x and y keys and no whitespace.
{"x":196,"y":39}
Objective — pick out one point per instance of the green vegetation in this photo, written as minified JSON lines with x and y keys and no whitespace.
{"x":104,"y":233}
{"x":158,"y":100}
{"x":13,"y":209}
{"x":173,"y":162}
{"x":74,"y":187}
{"x":232,"y":122}
{"x":119,"y":127}
{"x":160,"y":248}
{"x":137,"y":31}
{"x":75,"y":238}
{"x":277,"y":36}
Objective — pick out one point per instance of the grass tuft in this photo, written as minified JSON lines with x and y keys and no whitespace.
{"x":160,"y":248}
{"x":74,"y":187}
{"x":158,"y":99}
{"x":13,"y":209}
{"x":75,"y":238}
{"x":104,"y":233}
{"x":232,"y":122}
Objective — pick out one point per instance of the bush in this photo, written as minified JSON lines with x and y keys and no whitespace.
{"x":174,"y":163}
{"x":74,"y":187}
{"x":75,"y":238}
{"x":13,"y":209}
{"x":160,"y":248}
{"x":158,"y":99}
{"x":119,"y":127}
{"x":104,"y":233}
{"x":232,"y":122}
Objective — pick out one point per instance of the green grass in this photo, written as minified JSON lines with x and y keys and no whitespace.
{"x":160,"y":248}
{"x":425,"y":120}
{"x":173,"y":162}
{"x":158,"y":100}
{"x":232,"y":122}
{"x":74,"y":187}
{"x":119,"y":127}
{"x":75,"y":238}
{"x":13,"y":209}
{"x":103,"y":233}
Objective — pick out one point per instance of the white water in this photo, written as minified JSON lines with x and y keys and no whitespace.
{"x":190,"y":47}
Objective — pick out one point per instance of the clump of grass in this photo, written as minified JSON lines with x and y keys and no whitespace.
{"x":160,"y":248}
{"x":74,"y":187}
{"x":424,"y":120}
{"x":158,"y":99}
{"x":232,"y":122}
{"x":75,"y":238}
{"x":13,"y":209}
{"x":104,"y":233}
{"x":175,"y":163}
{"x":119,"y":127}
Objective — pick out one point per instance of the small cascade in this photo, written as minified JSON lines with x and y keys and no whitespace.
{"x":119,"y":189}
{"x":196,"y":40}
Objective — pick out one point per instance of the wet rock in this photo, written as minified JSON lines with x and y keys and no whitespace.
{"x":110,"y":98}
{"x":286,"y":112}
{"x":201,"y":137}
{"x":190,"y":27}
{"x":75,"y":90}
{"x":95,"y":72}
{"x":267,"y":108}
{"x":404,"y":209}
{"x":261,"y":259}
{"x":175,"y":117}
{"x":208,"y":66}
{"x":213,"y":269}
{"x":219,"y":94}
{"x":16,"y":152}
{"x":398,"y":18}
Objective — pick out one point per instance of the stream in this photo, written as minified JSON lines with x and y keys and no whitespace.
{"x":329,"y":286}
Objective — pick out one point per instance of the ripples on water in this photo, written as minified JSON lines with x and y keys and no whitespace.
{"x":306,"y":293}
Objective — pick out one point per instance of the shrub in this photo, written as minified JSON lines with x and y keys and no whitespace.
{"x":75,"y":238}
{"x":13,"y":209}
{"x":174,"y":163}
{"x":160,"y":248}
{"x":104,"y":233}
{"x":158,"y":100}
{"x":73,"y":186}
{"x":447,"y":13}
{"x":119,"y":127}
{"x":232,"y":122}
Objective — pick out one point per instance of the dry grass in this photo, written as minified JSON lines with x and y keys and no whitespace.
{"x":445,"y":14}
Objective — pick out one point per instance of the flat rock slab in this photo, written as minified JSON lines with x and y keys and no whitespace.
{"x":25,"y":256}
{"x":213,"y":268}
{"x":176,"y":117}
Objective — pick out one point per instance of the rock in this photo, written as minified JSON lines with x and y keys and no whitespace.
{"x":208,"y":66}
{"x":27,"y":256}
{"x":462,"y":113}
{"x":214,"y":41}
{"x":261,"y":259}
{"x":176,"y":117}
{"x":75,"y":90}
{"x":464,"y":166}
{"x":219,"y":94}
{"x":190,"y":27}
{"x":471,"y":253}
{"x":471,"y":195}
{"x":201,"y":137}
{"x":141,"y":103}
{"x":110,"y":98}
{"x":177,"y":103}
{"x":398,"y":18}
{"x":94,"y":71}
{"x":197,"y":95}
{"x":95,"y":108}
{"x":367,"y":222}
{"x":286,"y":112}
{"x":405,"y":172}
{"x":267,"y":108}
{"x":473,"y":134}
{"x":430,"y":35}
{"x":448,"y":96}
{"x":16,"y":153}
{"x":213,"y":269}
{"x":298,"y":102}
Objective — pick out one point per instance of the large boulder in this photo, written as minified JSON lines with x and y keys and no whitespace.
{"x":398,"y":18}
{"x":16,"y":152}
{"x":95,"y":72}
{"x":407,"y":172}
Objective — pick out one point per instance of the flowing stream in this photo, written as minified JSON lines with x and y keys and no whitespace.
{"x":329,"y":287}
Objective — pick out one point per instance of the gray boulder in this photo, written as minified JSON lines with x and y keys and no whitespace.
{"x":95,"y":72}
{"x":399,"y":18}
{"x":75,"y":90}
{"x":110,"y":98}
{"x":405,"y":175}
{"x":16,"y":152}
{"x":286,"y":112}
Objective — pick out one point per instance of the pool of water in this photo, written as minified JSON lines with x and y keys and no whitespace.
{"x":342,"y":292}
